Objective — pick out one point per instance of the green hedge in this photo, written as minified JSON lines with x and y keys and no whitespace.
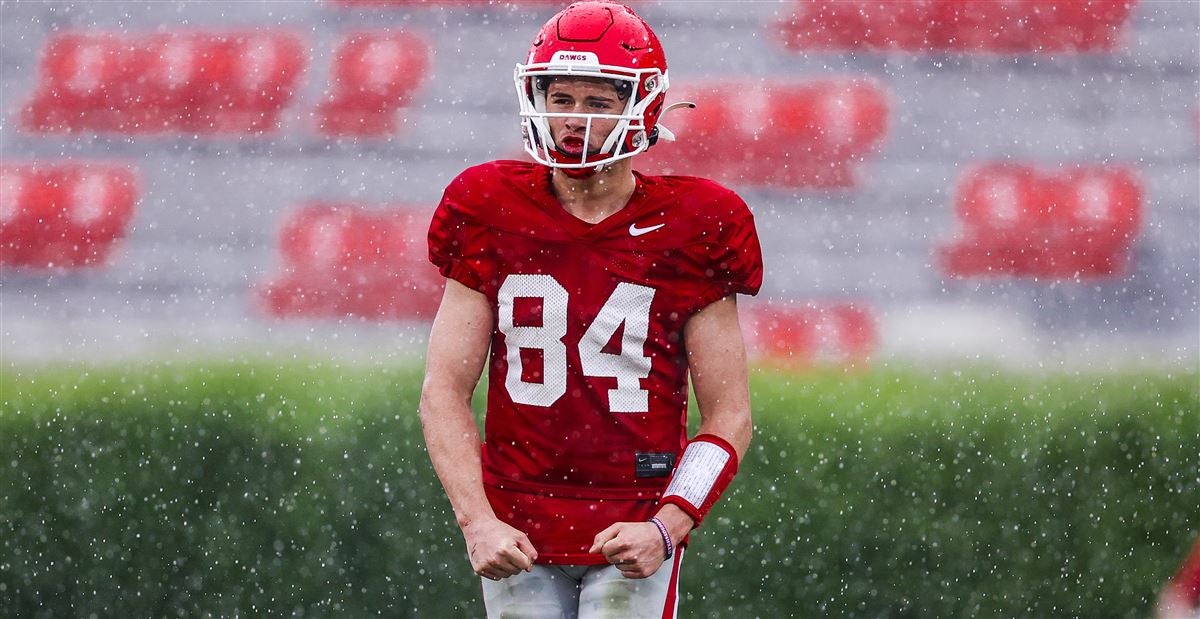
{"x":247,"y":490}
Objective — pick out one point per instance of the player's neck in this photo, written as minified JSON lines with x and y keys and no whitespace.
{"x":594,"y":198}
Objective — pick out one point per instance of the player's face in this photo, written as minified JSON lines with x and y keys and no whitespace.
{"x":581,"y":96}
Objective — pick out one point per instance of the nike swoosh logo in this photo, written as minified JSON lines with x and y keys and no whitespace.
{"x":636,"y":231}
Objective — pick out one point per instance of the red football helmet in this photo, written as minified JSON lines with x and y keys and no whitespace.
{"x":601,"y":39}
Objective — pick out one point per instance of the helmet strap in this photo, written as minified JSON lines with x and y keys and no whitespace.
{"x":580,"y":173}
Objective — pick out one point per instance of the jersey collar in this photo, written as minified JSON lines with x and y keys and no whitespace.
{"x":543,"y":194}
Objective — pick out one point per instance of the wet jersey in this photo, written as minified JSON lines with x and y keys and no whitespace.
{"x":587,"y":392}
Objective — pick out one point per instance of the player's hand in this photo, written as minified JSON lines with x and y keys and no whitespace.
{"x":498,"y":550}
{"x":635,"y":548}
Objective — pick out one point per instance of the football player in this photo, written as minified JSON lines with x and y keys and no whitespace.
{"x":597,"y":290}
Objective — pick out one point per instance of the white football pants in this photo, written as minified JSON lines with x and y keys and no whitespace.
{"x":584,"y":592}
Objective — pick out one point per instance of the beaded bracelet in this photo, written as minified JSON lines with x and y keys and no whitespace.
{"x":667,"y":544}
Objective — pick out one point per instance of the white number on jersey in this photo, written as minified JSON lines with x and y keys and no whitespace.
{"x":629,"y":304}
{"x":546,"y":338}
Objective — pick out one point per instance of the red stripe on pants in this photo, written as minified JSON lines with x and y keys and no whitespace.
{"x":673,"y":588}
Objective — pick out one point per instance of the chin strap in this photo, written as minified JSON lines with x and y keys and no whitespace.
{"x":578,"y":173}
{"x":664,"y":133}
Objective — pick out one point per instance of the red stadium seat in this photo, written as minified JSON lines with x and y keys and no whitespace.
{"x":374,"y":75}
{"x":1017,"y":220}
{"x":172,"y":68}
{"x":999,"y":209}
{"x":1098,"y":213}
{"x":82,"y":79}
{"x":1012,"y":26}
{"x":63,"y":216}
{"x":343,"y":260}
{"x":189,"y":82}
{"x":809,"y":134}
{"x":800,"y":336}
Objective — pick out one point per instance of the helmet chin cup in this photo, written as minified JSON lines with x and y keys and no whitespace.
{"x":581,"y":173}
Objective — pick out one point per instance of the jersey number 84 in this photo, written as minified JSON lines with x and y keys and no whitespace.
{"x":628,"y":304}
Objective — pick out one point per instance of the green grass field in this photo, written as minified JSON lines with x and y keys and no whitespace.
{"x":253,"y":489}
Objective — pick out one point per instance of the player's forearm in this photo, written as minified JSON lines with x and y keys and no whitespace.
{"x":452,"y":440}
{"x":723,"y":397}
{"x":735,"y":428}
{"x":717,"y":364}
{"x":733,"y":425}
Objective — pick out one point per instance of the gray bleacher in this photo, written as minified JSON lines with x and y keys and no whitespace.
{"x":205,"y":229}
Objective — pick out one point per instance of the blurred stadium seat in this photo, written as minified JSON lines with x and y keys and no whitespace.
{"x":63,"y":215}
{"x":374,"y":75}
{"x":346,"y":260}
{"x":1019,"y":220}
{"x":175,"y":82}
{"x":797,"y":336}
{"x":81,"y":83}
{"x":774,"y":133}
{"x":1012,"y":26}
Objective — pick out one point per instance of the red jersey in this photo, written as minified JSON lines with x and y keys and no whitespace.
{"x":587,"y":396}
